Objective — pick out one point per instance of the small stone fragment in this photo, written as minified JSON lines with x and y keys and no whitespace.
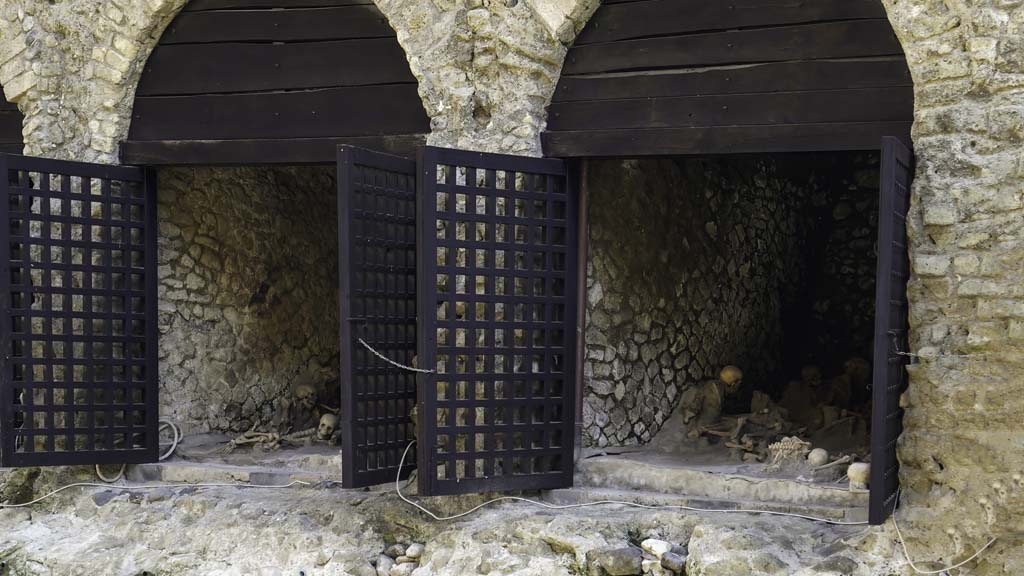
{"x":384,"y":565}
{"x":656,"y":547}
{"x":159,"y":495}
{"x":654,"y":568}
{"x":674,"y":562}
{"x":395,"y":550}
{"x":404,"y":560}
{"x":415,"y":551}
{"x":616,"y":561}
{"x":102,"y":498}
{"x":403,"y":569}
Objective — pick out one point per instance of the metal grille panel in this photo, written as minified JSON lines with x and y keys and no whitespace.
{"x":78,"y":285}
{"x":377,"y":252}
{"x":891,"y":327}
{"x":497,"y":263}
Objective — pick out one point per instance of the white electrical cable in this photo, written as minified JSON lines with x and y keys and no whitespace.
{"x":599,"y":503}
{"x":173,"y":445}
{"x":398,"y":490}
{"x":165,"y":424}
{"x":906,"y":553}
{"x":392,"y":362}
{"x":120,"y":474}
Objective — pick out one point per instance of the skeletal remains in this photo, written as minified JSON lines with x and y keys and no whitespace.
{"x":768,"y":434}
{"x":303,"y":414}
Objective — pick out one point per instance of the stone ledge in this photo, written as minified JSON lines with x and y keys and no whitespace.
{"x":631,"y":474}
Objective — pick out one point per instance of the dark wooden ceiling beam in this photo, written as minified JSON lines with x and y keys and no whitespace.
{"x":355,"y":21}
{"x":650,"y":18}
{"x":723,"y":140}
{"x":849,"y":39}
{"x":746,"y":79}
{"x":805,"y":107}
{"x":260,"y":151}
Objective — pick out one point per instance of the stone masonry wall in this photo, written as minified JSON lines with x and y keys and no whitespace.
{"x":486,"y":68}
{"x":72,"y":65}
{"x":248,"y":292}
{"x":962,"y":446}
{"x":690,"y":264}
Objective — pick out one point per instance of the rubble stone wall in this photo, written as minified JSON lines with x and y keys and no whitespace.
{"x":961,"y":449}
{"x":248,"y":303}
{"x":688,"y":260}
{"x":71,"y":66}
{"x":695,"y":264}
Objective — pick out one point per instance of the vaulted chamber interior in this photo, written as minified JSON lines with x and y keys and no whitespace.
{"x":248,"y":297}
{"x":766,"y":263}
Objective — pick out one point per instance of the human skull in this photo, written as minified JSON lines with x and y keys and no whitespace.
{"x":305,"y":396}
{"x":859,"y":474}
{"x":731,"y":376}
{"x":328,"y":423}
{"x":818,"y":457}
{"x":811,"y":375}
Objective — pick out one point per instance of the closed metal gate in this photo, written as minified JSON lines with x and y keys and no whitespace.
{"x":78,"y":325}
{"x":377,"y":253}
{"x":891,"y":328}
{"x":497,"y":290}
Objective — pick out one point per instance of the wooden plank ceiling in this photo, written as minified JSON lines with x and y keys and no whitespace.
{"x":659,"y":77}
{"x":10,"y":127}
{"x":273,"y":81}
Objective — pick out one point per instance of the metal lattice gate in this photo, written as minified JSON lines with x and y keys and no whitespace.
{"x":377,"y":253}
{"x":78,"y":287}
{"x":891,"y":328}
{"x":496,"y":295}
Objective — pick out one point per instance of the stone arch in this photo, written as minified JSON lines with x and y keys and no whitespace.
{"x":967,"y":65}
{"x":297,"y":78}
{"x":486,"y":72}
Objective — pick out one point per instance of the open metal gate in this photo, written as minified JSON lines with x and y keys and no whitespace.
{"x":78,"y":321}
{"x":496,"y":293}
{"x":377,"y":254}
{"x":891,"y":328}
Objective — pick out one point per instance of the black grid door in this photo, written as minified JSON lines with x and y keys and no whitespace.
{"x":78,"y":287}
{"x":497,"y":264}
{"x":891,"y":328}
{"x":377,"y":264}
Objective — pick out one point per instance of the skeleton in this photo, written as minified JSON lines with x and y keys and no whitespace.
{"x":265,"y":440}
{"x":702,"y":405}
{"x":755,"y":430}
{"x":272,"y":440}
{"x":304,"y":412}
{"x":750,"y":448}
{"x":788,"y":452}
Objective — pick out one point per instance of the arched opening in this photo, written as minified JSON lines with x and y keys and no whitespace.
{"x":10,"y":127}
{"x":733,"y":169}
{"x":247,"y":82}
{"x":658,"y":78}
{"x":241,"y":107}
